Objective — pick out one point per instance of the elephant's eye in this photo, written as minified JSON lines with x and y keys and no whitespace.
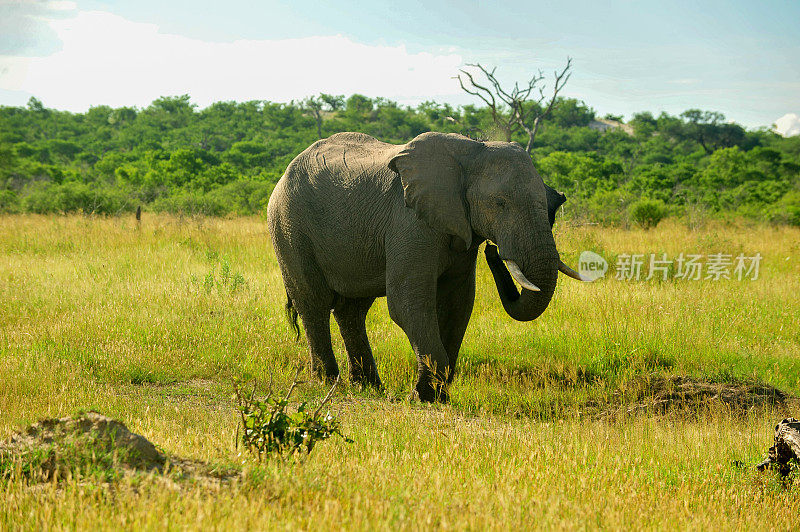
{"x":500,"y":203}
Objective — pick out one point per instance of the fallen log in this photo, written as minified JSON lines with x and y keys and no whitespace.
{"x":786,"y":448}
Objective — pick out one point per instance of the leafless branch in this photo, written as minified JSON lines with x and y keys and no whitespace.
{"x":327,"y":397}
{"x":295,"y":382}
{"x":480,"y":91}
{"x":508,"y":107}
{"x":560,"y":80}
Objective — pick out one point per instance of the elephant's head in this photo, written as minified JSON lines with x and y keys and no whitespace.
{"x":477,"y":191}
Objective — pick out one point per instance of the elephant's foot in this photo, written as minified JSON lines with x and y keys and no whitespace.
{"x":427,"y":392}
{"x":364,"y":372}
{"x":432,"y":383}
{"x":371,"y":380}
{"x":324,"y":372}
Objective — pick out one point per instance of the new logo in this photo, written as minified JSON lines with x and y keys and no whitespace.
{"x":592,"y":266}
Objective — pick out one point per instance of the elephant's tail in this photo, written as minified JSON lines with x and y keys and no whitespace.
{"x":291,"y":314}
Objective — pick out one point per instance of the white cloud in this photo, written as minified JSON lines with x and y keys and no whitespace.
{"x":788,"y":125}
{"x":106,"y":59}
{"x":62,"y":5}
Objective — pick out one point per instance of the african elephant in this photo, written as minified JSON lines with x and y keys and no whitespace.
{"x":354,"y":218}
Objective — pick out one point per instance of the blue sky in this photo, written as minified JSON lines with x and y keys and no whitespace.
{"x":739,"y":58}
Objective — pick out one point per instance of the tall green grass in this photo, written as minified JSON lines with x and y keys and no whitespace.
{"x":151,"y":323}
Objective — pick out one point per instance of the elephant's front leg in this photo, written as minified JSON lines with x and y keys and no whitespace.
{"x":411,"y":297}
{"x":455,"y":297}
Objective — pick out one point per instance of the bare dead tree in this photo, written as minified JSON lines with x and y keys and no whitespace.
{"x":317,"y":106}
{"x":522,"y":108}
{"x":313,"y":105}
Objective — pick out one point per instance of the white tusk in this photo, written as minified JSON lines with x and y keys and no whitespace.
{"x":569,"y":272}
{"x":516,"y":273}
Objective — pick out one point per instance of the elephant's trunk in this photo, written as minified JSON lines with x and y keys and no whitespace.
{"x":542,"y":274}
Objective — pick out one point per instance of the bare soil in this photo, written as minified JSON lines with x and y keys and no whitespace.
{"x":689,"y":396}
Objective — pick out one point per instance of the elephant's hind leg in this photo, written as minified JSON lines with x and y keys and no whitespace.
{"x":317,"y":325}
{"x":351,"y":315}
{"x":313,"y":299}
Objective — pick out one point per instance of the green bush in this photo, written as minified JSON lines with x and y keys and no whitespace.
{"x":38,"y":198}
{"x":647,"y":213}
{"x":225,"y":159}
{"x":9,"y":202}
{"x":191,"y":203}
{"x":241,"y":197}
{"x":786,"y":210}
{"x":269,"y":429}
{"x":606,"y":207}
{"x":44,"y":197}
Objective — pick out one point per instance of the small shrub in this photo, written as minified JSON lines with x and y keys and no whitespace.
{"x":226,"y":279}
{"x":267,"y":427}
{"x":225,"y":271}
{"x":9,"y":202}
{"x":647,"y":213}
{"x":208,"y":282}
{"x":236,"y":281}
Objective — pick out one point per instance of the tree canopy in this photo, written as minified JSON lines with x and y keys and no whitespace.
{"x":227,"y":157}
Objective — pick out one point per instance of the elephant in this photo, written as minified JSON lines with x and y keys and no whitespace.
{"x":353,"y":219}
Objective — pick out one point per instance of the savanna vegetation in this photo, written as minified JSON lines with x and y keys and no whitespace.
{"x":581,"y":419}
{"x":627,"y":404}
{"x":225,"y":159}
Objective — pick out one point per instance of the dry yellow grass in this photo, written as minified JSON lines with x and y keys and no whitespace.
{"x":145,"y":325}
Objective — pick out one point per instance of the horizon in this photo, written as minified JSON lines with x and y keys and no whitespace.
{"x":737,"y":59}
{"x":196,"y":107}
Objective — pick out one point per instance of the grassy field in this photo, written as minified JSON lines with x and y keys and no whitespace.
{"x":558,"y":423}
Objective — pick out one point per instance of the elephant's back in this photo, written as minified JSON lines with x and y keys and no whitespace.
{"x":335,"y":201}
{"x":343,"y":160}
{"x":352,"y":140}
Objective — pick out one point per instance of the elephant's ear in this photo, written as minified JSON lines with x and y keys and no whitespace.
{"x":430,"y":169}
{"x":554,"y":200}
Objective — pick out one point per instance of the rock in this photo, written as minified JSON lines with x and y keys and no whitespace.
{"x":786,"y":448}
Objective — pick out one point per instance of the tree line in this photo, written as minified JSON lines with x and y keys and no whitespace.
{"x":226,"y":158}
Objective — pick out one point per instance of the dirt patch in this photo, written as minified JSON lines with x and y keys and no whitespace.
{"x":687,"y":395}
{"x":90,"y":445}
{"x":195,"y":392}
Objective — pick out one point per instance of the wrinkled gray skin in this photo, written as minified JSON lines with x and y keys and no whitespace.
{"x":354,"y":218}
